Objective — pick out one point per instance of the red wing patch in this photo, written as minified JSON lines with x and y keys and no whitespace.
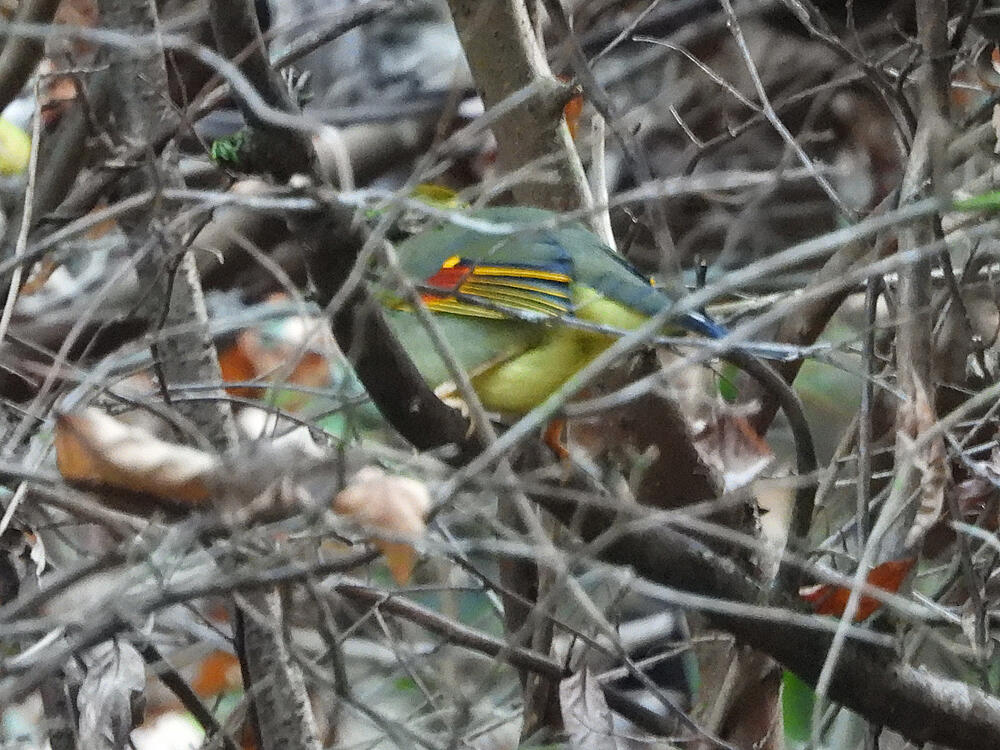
{"x":449,"y":278}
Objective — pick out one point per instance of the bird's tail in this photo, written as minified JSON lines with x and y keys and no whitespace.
{"x":703,"y":325}
{"x":700,"y":323}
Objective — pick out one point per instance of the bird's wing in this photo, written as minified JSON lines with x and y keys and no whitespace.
{"x":477,"y":343}
{"x":451,"y":255}
{"x":498,"y":289}
{"x":600,"y":268}
{"x":466,"y":272}
{"x":530,"y":272}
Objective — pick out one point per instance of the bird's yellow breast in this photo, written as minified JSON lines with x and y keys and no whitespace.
{"x":518,"y":385}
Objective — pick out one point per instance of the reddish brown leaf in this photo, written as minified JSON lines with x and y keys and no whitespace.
{"x":39,"y":276}
{"x":237,"y":367}
{"x":572,"y":112}
{"x":832,"y":600}
{"x":217,"y":672}
{"x":257,"y":357}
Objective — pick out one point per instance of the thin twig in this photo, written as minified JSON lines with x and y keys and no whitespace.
{"x":865,"y":428}
{"x":22,"y":235}
{"x":772,"y":116}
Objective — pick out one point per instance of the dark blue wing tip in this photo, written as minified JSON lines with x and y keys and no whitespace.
{"x":704,"y":325}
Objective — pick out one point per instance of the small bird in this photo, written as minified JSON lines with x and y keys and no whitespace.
{"x":499,"y":300}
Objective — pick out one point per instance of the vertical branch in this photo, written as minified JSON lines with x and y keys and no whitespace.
{"x":281,"y":708}
{"x":932,"y":31}
{"x":920,"y":474}
{"x":59,"y":713}
{"x":505,"y":58}
{"x":279,"y":696}
{"x":272,"y":679}
{"x":174,"y":298}
{"x":865,"y":430}
{"x":238,"y":36}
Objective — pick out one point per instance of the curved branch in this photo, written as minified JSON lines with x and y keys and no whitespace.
{"x":872,"y":681}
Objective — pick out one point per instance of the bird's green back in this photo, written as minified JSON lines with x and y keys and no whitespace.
{"x":594,"y":264}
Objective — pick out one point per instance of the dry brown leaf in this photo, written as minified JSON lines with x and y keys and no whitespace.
{"x":394,"y":504}
{"x":572,"y":112}
{"x":77,"y":13}
{"x":39,"y":277}
{"x":96,"y":448}
{"x":254,"y":356}
{"x":237,"y":367}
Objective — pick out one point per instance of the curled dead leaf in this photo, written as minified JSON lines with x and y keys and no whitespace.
{"x":385,"y":502}
{"x":728,"y":443}
{"x":96,"y":448}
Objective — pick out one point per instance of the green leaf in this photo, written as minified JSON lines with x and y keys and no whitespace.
{"x":797,"y":701}
{"x":984,"y":202}
{"x":227,"y":151}
{"x":727,"y":383}
{"x":437,"y":196}
{"x":405,"y":683}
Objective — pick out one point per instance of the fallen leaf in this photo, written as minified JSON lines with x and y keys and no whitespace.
{"x":96,"y":448}
{"x":39,"y":276}
{"x":389,"y":503}
{"x":832,"y":600}
{"x":283,"y":356}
